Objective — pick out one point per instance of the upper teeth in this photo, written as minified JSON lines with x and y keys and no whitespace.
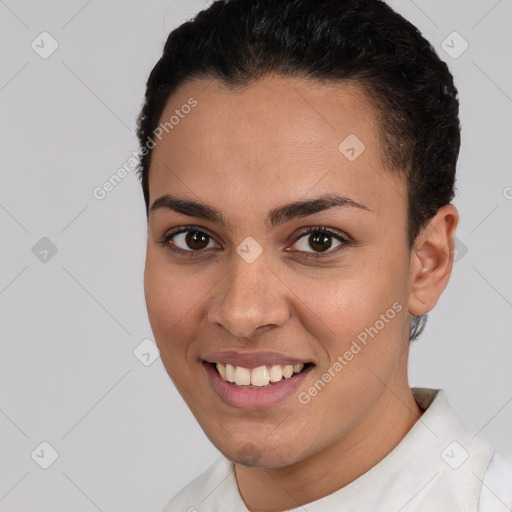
{"x":259,"y":376}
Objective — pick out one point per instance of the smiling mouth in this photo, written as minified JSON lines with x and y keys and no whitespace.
{"x":260,"y":377}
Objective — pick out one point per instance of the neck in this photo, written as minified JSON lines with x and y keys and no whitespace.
{"x":375,"y":436}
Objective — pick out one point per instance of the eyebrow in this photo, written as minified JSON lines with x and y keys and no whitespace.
{"x":276,"y":216}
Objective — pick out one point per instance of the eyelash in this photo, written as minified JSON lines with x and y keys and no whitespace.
{"x":345,"y":242}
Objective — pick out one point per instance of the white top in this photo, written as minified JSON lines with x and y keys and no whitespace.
{"x":440,"y":465}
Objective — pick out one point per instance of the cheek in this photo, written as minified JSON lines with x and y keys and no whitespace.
{"x":364,"y":316}
{"x":354,"y":298}
{"x":170,"y":301}
{"x":360,"y":321}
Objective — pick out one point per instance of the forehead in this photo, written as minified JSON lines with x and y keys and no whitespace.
{"x":276,"y":139}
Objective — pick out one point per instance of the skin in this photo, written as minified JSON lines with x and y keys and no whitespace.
{"x":271,"y":143}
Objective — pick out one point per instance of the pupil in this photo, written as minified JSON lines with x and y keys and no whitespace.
{"x":317,"y":241}
{"x":196,"y":237}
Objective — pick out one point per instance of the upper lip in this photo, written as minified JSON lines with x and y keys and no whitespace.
{"x":251,"y":359}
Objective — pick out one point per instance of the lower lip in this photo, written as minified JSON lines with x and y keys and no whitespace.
{"x":254,"y":398}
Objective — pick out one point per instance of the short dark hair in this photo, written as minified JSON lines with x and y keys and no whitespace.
{"x":360,"y":41}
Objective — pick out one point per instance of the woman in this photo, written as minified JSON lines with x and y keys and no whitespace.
{"x":298,"y":164}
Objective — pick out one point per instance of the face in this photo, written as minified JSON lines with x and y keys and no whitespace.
{"x":243,"y":279}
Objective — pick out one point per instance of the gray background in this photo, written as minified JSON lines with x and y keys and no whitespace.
{"x":71,"y":321}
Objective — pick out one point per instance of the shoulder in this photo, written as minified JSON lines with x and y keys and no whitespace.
{"x":496,"y":494}
{"x":190,"y":497}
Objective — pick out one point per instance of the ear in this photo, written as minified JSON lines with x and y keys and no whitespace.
{"x":432,"y":260}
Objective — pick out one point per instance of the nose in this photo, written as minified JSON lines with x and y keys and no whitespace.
{"x":250,"y":300}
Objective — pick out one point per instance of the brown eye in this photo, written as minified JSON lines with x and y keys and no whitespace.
{"x":187,"y":240}
{"x":196,"y":240}
{"x":318,"y":240}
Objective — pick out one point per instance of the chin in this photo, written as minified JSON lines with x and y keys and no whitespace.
{"x":259,"y":453}
{"x":251,"y":456}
